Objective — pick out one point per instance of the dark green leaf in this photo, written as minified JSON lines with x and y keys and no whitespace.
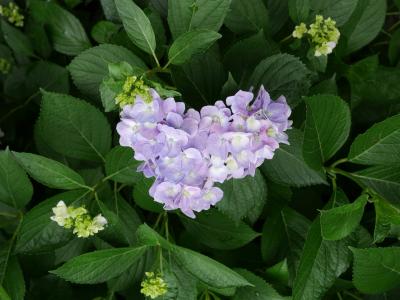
{"x":394,"y":47}
{"x":189,"y":44}
{"x":247,"y":16}
{"x":17,"y":41}
{"x":141,"y":195}
{"x":14,"y":282}
{"x":338,"y":10}
{"x":385,"y":180}
{"x":261,"y":290}
{"x":244,"y":197}
{"x":121,"y":166}
{"x":49,"y":172}
{"x":379,"y":145}
{"x":376,"y":270}
{"x":320,"y":264}
{"x":207,"y":270}
{"x":15,"y":188}
{"x":387,"y":216}
{"x":67,"y":33}
{"x":364,"y":24}
{"x":349,"y":215}
{"x":288,"y":165}
{"x":217,"y":231}
{"x":99,"y":266}
{"x":74,"y":127}
{"x":186,"y":15}
{"x":48,"y":76}
{"x":282,"y":74}
{"x":327,"y":128}
{"x":299,"y":10}
{"x":137,"y":25}
{"x":102,"y":31}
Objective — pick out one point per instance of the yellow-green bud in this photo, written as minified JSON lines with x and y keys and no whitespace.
{"x":5,"y":66}
{"x":299,"y":31}
{"x":153,"y":286}
{"x":11,"y":12}
{"x":133,"y":87}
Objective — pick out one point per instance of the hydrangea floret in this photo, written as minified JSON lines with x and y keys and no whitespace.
{"x":11,"y":12}
{"x":323,"y":34}
{"x":153,"y":286}
{"x":78,"y":219}
{"x":188,"y":152}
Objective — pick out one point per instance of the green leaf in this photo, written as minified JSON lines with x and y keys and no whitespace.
{"x":247,"y":16}
{"x":387,"y":216}
{"x":327,"y":128}
{"x":74,"y":127}
{"x":110,"y":10}
{"x":349,"y":215}
{"x":187,"y":15}
{"x":373,"y":84}
{"x":142,"y":198}
{"x":102,"y":31}
{"x":278,"y":14}
{"x":149,"y":237}
{"x":244,"y":55}
{"x":189,"y":44}
{"x":320,"y":264}
{"x":14,"y":282}
{"x":217,"y":231}
{"x":201,"y":79}
{"x":48,"y":76}
{"x":379,"y":145}
{"x":99,"y":266}
{"x":261,"y":290}
{"x":49,"y":172}
{"x":121,"y":166}
{"x":137,"y":25}
{"x":376,"y":270}
{"x":385,"y":180}
{"x":17,"y":41}
{"x":3,"y":294}
{"x":244,"y":197}
{"x":181,"y":286}
{"x":66,"y":31}
{"x":282,"y":74}
{"x":109,"y":90}
{"x":299,"y":10}
{"x":394,"y":47}
{"x":39,"y":233}
{"x":207,"y":270}
{"x":365,"y":24}
{"x":338,"y":10}
{"x":288,"y":165}
{"x":15,"y":188}
{"x":90,"y":67}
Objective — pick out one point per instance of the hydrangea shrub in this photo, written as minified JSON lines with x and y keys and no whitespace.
{"x":181,"y":149}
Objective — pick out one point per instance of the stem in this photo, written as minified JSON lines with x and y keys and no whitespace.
{"x":394,"y":26}
{"x":161,"y":260}
{"x":155,"y":58}
{"x":339,"y":296}
{"x":352,"y":295}
{"x":285,"y":39}
{"x":393,"y":13}
{"x":338,"y":162}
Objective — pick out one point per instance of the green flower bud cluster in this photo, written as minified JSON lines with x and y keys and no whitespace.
{"x":132,"y":87}
{"x":322,"y":34}
{"x":5,"y":66}
{"x":153,"y":286}
{"x":78,"y":219}
{"x":11,"y":12}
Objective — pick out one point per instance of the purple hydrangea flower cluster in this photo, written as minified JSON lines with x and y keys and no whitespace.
{"x":188,"y":152}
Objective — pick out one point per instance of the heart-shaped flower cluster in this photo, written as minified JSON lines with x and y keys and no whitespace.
{"x":188,"y":152}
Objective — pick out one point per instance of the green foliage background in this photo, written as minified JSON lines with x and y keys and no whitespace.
{"x":319,"y":221}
